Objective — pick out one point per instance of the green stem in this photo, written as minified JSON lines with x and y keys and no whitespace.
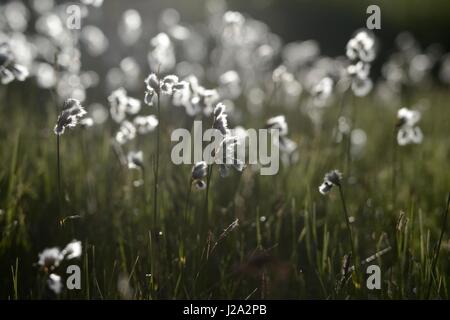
{"x":186,"y":207}
{"x":349,"y":137}
{"x":58,"y":166}
{"x":144,"y":190}
{"x":394,"y":168}
{"x":156,"y":171}
{"x":208,"y":182}
{"x":341,"y":105}
{"x":349,"y":229}
{"x":438,"y":247}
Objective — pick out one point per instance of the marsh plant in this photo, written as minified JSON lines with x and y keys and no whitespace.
{"x":72,"y":112}
{"x":246,"y":209}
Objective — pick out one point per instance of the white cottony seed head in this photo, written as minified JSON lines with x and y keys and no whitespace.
{"x":72,"y":250}
{"x":332,"y":178}
{"x":69,"y":117}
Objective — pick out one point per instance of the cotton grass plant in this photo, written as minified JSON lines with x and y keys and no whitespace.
{"x":225,"y":152}
{"x":157,"y":87}
{"x":70,"y":116}
{"x":334,"y":178}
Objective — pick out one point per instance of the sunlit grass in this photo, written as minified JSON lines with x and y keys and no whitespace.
{"x":290,"y":239}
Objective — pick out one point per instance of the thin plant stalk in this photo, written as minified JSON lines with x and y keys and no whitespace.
{"x":347,"y":222}
{"x":144,"y":189}
{"x":152,"y":266}
{"x":394,"y":168}
{"x":348,"y":147}
{"x":54,"y":94}
{"x":156,"y":169}
{"x":349,"y":137}
{"x":188,"y":199}
{"x":340,"y":106}
{"x":58,"y":169}
{"x":438,"y":246}
{"x":208,"y":182}
{"x":186,"y":207}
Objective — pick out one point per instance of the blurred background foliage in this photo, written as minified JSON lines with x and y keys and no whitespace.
{"x":331,"y":21}
{"x":328,"y":21}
